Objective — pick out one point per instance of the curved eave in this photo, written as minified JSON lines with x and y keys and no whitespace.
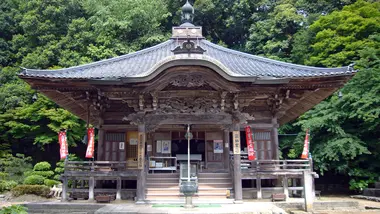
{"x":147,"y":63}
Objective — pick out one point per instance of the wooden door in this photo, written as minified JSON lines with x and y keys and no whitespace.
{"x":114,"y":146}
{"x":263,"y":144}
{"x":214,"y":160}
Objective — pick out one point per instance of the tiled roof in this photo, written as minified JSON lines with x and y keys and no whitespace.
{"x":139,"y":64}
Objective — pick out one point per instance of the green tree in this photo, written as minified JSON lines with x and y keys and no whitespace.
{"x":346,"y":130}
{"x":341,"y":35}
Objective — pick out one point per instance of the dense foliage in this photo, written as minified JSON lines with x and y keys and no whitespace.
{"x":19,"y":209}
{"x":59,"y":33}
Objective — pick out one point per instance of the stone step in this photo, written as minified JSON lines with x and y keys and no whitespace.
{"x":161,"y":185}
{"x":196,"y":200}
{"x":178,"y":194}
{"x":163,"y":175}
{"x":373,"y":192}
{"x":227,"y":185}
{"x":377,"y":185}
{"x":214,"y":175}
{"x":214,"y":180}
{"x":162,"y":180}
{"x":222,"y":191}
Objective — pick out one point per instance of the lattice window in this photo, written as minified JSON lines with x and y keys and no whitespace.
{"x":131,"y":145}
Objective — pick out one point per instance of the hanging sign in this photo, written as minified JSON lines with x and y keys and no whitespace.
{"x":133,"y":141}
{"x":91,"y":143}
{"x":218,"y":146}
{"x":236,"y":142}
{"x":121,"y":145}
{"x":250,"y":143}
{"x":141,"y":150}
{"x":305,"y":152}
{"x":166,"y":147}
{"x":63,"y":147}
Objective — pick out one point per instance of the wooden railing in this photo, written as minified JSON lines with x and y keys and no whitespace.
{"x":275,"y":165}
{"x":95,"y":166}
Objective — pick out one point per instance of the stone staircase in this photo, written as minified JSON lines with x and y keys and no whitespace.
{"x":165,"y":186}
{"x":373,"y":192}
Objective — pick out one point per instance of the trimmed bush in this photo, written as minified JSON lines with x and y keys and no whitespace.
{"x":45,"y":174}
{"x":42,"y":166}
{"x":14,"y":209}
{"x":34,"y":180}
{"x":7,"y":185}
{"x":39,"y":190}
{"x":50,"y":183}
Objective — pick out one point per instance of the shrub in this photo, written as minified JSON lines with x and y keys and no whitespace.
{"x":15,"y":166}
{"x":3,"y":176}
{"x":45,"y":174}
{"x":34,"y":180}
{"x":42,"y":166}
{"x":50,"y":183}
{"x":13,"y":209}
{"x":59,"y":169}
{"x":7,"y":185}
{"x":39,"y":190}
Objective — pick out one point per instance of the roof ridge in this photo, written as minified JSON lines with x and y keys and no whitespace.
{"x":107,"y":61}
{"x":272,"y":61}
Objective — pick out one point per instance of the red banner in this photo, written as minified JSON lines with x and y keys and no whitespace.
{"x":250,"y":143}
{"x":305,"y":152}
{"x":63,"y":147}
{"x":91,"y":143}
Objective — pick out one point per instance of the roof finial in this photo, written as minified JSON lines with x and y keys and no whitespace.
{"x":187,"y":13}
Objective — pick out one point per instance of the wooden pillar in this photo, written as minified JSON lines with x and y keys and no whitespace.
{"x":275,"y":139}
{"x":226,"y":151}
{"x":237,"y":173}
{"x":100,"y":156}
{"x":285,"y":185}
{"x":100,"y":150}
{"x":91,"y":187}
{"x":294,"y":184}
{"x":140,"y":191}
{"x":64,"y":189}
{"x":258,"y":187}
{"x":308,"y":192}
{"x":118,"y":189}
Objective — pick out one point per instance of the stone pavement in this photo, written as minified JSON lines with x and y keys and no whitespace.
{"x":246,"y":208}
{"x":132,"y":208}
{"x":204,"y":207}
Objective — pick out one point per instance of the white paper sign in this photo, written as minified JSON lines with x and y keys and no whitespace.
{"x":149,"y":148}
{"x":121,"y":145}
{"x":158,"y":146}
{"x":133,"y":141}
{"x":218,"y":146}
{"x":166,"y":146}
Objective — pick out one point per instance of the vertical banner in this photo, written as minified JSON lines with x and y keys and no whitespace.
{"x":141,"y":150}
{"x":236,"y":142}
{"x":305,"y":152}
{"x":91,"y":143}
{"x":250,"y":143}
{"x":63,"y":147}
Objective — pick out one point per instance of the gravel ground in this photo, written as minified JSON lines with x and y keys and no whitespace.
{"x":8,"y":199}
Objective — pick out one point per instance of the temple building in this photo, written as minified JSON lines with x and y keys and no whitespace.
{"x":142,"y":104}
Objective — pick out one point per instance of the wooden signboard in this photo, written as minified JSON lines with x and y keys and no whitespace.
{"x":141,"y":150}
{"x":236,"y":142}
